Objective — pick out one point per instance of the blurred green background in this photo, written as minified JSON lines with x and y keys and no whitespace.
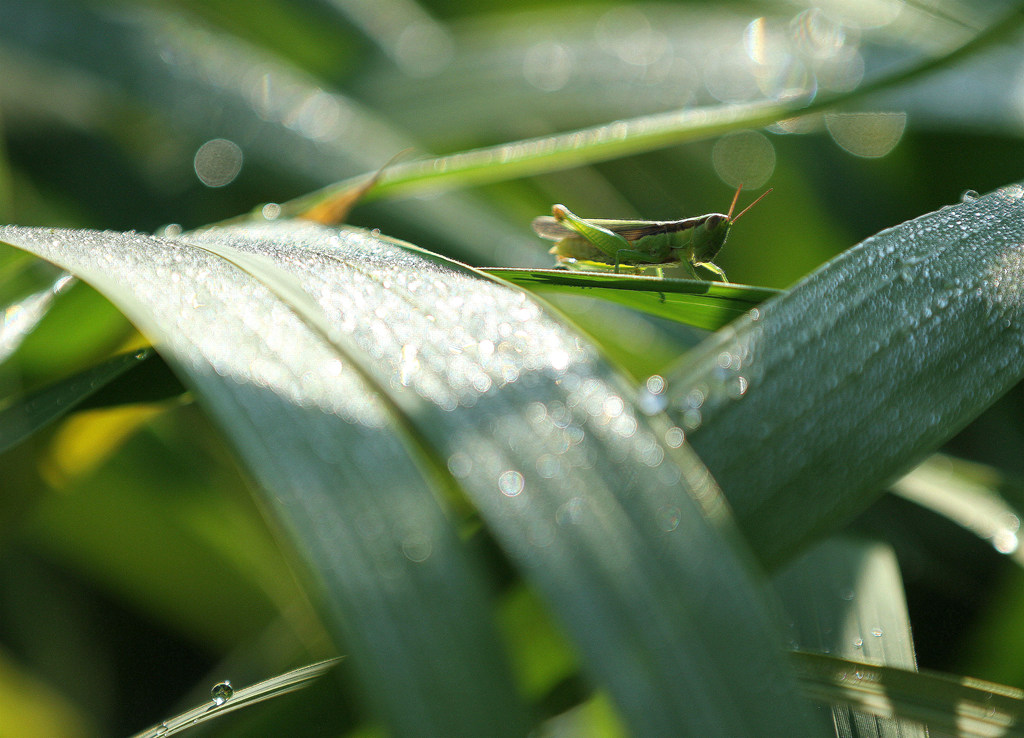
{"x":136,"y":571}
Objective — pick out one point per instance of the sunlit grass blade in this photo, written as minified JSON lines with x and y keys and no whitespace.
{"x":948,"y":705}
{"x":327,"y":353}
{"x":386,"y":568}
{"x":224,"y":702}
{"x":708,"y":305}
{"x":625,"y":137}
{"x":23,"y":315}
{"x":845,"y":598}
{"x":967,"y":494}
{"x":806,"y":409}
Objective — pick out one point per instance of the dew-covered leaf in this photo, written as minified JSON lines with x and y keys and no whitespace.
{"x":321,"y":443}
{"x":363,"y":383}
{"x":803,"y":409}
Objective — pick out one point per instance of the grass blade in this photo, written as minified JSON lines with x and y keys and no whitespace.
{"x":861,"y":370}
{"x":707,"y":305}
{"x":388,"y":567}
{"x":949,"y":705}
{"x":846,"y":599}
{"x":620,"y":532}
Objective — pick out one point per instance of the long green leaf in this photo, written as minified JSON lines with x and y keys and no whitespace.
{"x":845,"y":598}
{"x":803,"y":409}
{"x":28,"y":413}
{"x":708,"y":305}
{"x":625,"y":137}
{"x":951,"y":705}
{"x":393,"y":576}
{"x":623,"y":534}
{"x":227,"y":699}
{"x":969,"y":495}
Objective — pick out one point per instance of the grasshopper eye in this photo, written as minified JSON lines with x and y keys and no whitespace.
{"x":714,"y":221}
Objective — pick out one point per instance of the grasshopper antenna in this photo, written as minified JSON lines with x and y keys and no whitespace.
{"x":735,"y":198}
{"x":763,"y":194}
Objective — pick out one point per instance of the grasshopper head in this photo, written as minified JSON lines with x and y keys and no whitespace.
{"x":709,"y":237}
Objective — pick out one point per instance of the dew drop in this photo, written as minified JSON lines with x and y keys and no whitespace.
{"x":222,"y":692}
{"x":969,"y":196}
{"x":511,"y":483}
{"x":692,"y":419}
{"x":669,"y":518}
{"x":652,"y":398}
{"x":876,"y":632}
{"x":858,"y":642}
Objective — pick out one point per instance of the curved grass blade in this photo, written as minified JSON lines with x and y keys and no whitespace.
{"x":708,"y":305}
{"x":627,"y":137}
{"x":845,"y":598}
{"x":805,"y":408}
{"x":389,"y":571}
{"x":27,"y":414}
{"x":623,"y":534}
{"x":967,"y":494}
{"x":948,"y":705}
{"x":223,"y":702}
{"x":509,"y":454}
{"x":22,"y":316}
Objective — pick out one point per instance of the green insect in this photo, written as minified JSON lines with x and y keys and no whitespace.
{"x":639,"y":244}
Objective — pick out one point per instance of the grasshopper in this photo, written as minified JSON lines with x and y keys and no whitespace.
{"x":639,"y":244}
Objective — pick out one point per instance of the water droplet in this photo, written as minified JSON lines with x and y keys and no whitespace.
{"x":1005,"y":541}
{"x":652,"y":399}
{"x":692,"y":419}
{"x":222,"y":692}
{"x":668,"y":518}
{"x":738,"y":388}
{"x":858,"y":642}
{"x":511,"y":483}
{"x":876,"y":632}
{"x":271,"y":211}
{"x":695,"y":397}
{"x":460,"y":465}
{"x":969,"y":196}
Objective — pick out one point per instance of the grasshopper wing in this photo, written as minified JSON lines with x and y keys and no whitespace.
{"x":547,"y":227}
{"x":634,"y":230}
